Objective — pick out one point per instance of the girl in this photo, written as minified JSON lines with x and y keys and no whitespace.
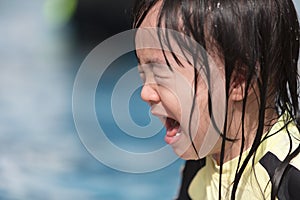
{"x":252,"y":47}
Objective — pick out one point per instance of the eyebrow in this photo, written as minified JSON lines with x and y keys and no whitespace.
{"x":151,"y":60}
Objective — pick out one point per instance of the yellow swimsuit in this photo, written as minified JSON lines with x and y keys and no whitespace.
{"x":255,"y":181}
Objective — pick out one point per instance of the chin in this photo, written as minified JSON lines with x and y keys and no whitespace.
{"x":189,"y":154}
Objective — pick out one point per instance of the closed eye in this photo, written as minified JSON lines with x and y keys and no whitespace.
{"x":162,"y":71}
{"x":160,"y":76}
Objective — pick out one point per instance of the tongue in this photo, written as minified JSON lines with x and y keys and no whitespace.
{"x":172,"y":133}
{"x":172,"y":127}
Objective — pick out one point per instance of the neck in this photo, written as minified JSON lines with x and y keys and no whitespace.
{"x":237,"y":129}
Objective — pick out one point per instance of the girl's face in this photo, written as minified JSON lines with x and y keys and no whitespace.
{"x":169,"y":90}
{"x":170,"y":95}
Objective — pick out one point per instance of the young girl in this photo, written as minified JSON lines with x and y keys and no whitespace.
{"x":252,"y":47}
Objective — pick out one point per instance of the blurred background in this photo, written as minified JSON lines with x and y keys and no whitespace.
{"x":42,"y":45}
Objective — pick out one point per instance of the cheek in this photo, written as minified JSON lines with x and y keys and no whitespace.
{"x":202,"y":99}
{"x":170,"y":100}
{"x":177,"y":91}
{"x":207,"y":133}
{"x":200,"y":121}
{"x":202,"y":112}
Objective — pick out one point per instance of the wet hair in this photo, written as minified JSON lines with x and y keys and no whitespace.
{"x":256,"y":38}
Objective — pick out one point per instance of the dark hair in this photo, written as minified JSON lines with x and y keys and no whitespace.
{"x":249,"y":34}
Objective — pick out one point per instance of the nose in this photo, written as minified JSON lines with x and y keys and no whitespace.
{"x":150,"y":94}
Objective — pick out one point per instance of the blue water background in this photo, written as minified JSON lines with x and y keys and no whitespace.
{"x":41,"y":155}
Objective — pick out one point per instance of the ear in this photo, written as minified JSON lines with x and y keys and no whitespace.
{"x":237,"y":91}
{"x":237,"y":87}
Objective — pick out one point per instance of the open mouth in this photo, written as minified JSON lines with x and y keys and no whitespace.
{"x":173,"y":130}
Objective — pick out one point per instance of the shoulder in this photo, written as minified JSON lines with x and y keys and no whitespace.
{"x":290,"y":183}
{"x":189,"y":171}
{"x":285,"y":138}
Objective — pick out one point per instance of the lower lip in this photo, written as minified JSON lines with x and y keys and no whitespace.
{"x":171,"y":140}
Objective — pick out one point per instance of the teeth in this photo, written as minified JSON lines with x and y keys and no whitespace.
{"x":177,"y":134}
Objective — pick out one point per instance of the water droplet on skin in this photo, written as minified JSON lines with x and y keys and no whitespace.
{"x":218,"y":5}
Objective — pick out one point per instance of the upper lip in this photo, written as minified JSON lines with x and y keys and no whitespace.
{"x":160,"y":112}
{"x":157,"y":114}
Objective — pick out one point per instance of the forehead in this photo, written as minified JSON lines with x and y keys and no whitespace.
{"x":146,"y":39}
{"x":150,"y":39}
{"x":151,"y":18}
